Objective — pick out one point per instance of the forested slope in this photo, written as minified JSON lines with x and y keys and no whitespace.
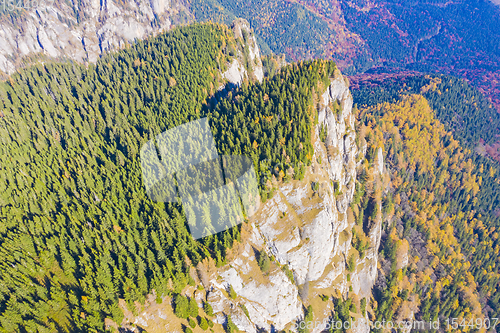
{"x":77,"y":231}
{"x":457,"y":104}
{"x":442,"y":208}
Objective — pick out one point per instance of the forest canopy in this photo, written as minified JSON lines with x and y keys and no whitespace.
{"x":77,"y":231}
{"x":444,"y":197}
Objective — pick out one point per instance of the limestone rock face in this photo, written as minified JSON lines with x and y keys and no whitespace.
{"x":270,"y":300}
{"x":52,"y":28}
{"x":336,"y":115}
{"x":236,"y":71}
{"x":306,"y":229}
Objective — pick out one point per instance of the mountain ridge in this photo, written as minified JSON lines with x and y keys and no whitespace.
{"x":352,"y":197}
{"x":305,"y":230}
{"x":300,"y":29}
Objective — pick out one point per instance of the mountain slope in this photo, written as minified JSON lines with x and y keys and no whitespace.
{"x":457,"y":38}
{"x":444,"y":196}
{"x":84,"y":249}
{"x":462,"y":108}
{"x":74,"y":215}
{"x":77,"y":230}
{"x":316,"y":251}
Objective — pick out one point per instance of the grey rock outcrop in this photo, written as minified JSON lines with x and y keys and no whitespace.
{"x":82,"y":30}
{"x":237,"y":72}
{"x":274,"y":301}
{"x":305,"y":229}
{"x":336,"y":115}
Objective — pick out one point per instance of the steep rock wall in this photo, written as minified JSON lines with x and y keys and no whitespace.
{"x":306,"y":230}
{"x":237,"y":72}
{"x":82,"y":30}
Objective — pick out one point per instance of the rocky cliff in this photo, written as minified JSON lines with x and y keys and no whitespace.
{"x":84,"y":30}
{"x":306,"y":230}
{"x":246,"y":63}
{"x":80,"y":30}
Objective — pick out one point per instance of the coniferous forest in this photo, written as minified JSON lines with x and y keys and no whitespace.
{"x":77,"y":231}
